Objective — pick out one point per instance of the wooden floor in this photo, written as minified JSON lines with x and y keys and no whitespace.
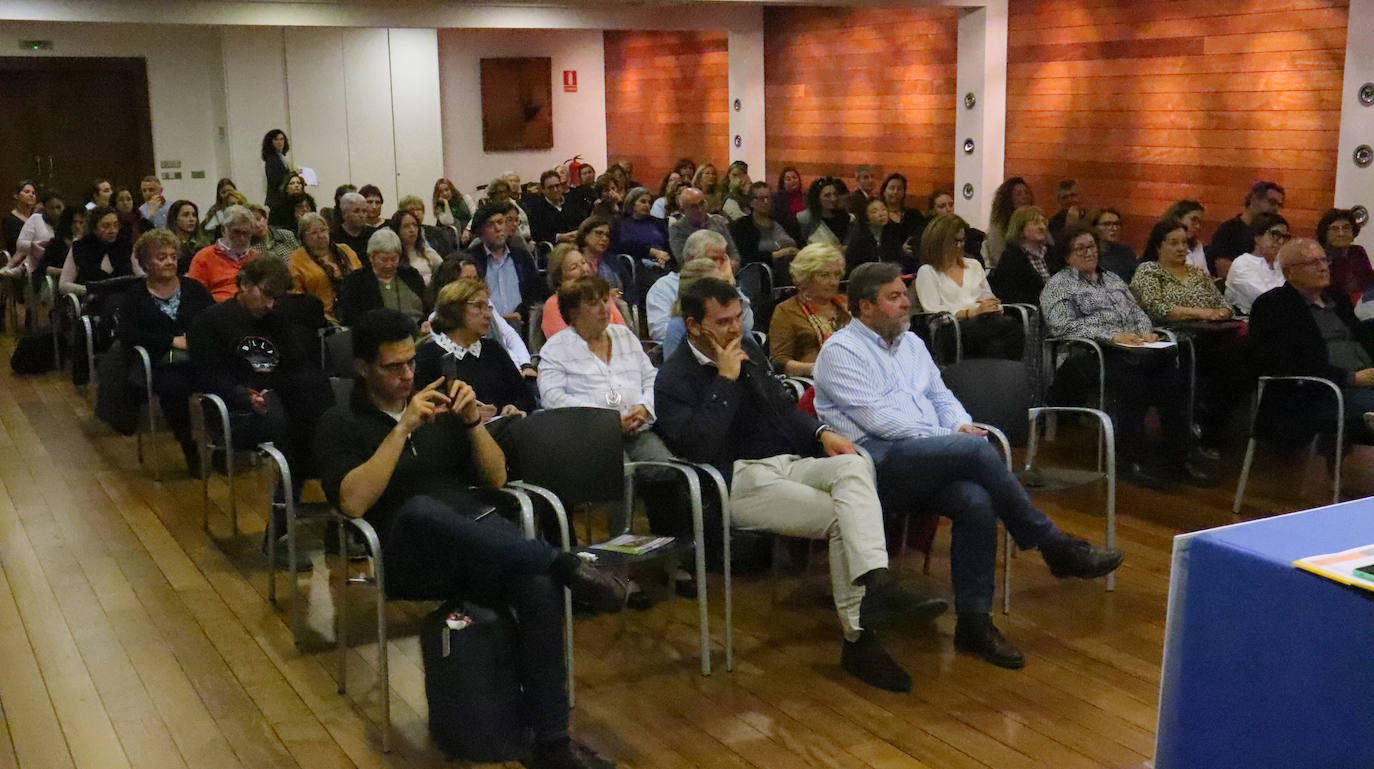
{"x":130,"y":638}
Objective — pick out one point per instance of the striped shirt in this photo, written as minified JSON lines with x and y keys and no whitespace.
{"x":867,"y":389}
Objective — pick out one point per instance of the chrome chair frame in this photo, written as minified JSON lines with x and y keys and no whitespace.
{"x":1254,"y":418}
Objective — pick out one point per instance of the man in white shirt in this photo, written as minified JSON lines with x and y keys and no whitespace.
{"x":1253,"y":274}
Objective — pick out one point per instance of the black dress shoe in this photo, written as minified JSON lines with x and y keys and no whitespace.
{"x":975,"y":634}
{"x":1072,"y":557}
{"x":598,"y":590}
{"x":868,"y":661}
{"x":892,"y":602}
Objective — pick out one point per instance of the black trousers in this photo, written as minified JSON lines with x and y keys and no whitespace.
{"x":433,"y":551}
{"x":1136,"y":380}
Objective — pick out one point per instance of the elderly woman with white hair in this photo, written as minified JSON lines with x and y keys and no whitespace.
{"x":388,"y":284}
{"x":353,"y":230}
{"x":801,"y":324}
{"x":217,"y":265}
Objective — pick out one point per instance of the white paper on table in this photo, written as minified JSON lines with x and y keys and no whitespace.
{"x":311,"y":178}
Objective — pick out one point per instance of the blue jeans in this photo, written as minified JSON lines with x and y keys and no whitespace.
{"x":963,"y":478}
{"x":434,"y":551}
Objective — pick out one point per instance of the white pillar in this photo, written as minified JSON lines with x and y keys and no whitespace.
{"x":1355,"y":185}
{"x":982,"y":71}
{"x":746,"y":90}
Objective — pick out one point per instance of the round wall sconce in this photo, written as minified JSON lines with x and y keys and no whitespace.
{"x":1364,"y":155}
{"x":739,"y":142}
{"x":968,"y":146}
{"x":968,"y":191}
{"x":1367,"y":94}
{"x":1361,"y":215}
{"x":970,"y":100}
{"x":738,"y":104}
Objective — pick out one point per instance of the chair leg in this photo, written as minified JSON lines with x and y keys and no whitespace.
{"x":383,"y":672}
{"x":1006,"y":573}
{"x":1244,"y":475}
{"x":341,"y":614}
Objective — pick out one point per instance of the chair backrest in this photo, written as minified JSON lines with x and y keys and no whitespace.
{"x":336,"y":350}
{"x":993,"y":391}
{"x":755,"y":279}
{"x":535,"y":333}
{"x":574,"y":452}
{"x":343,"y":388}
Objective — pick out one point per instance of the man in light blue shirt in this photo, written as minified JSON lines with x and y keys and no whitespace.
{"x":877,"y":385}
{"x":658,"y":302}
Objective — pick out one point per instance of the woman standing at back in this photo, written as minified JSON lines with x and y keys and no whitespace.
{"x":274,"y":149}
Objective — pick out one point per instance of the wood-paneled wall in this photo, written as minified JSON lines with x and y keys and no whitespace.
{"x":667,"y":95}
{"x":846,"y":86}
{"x":1146,"y":103}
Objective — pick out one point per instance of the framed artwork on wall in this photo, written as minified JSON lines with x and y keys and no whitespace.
{"x":517,"y":104}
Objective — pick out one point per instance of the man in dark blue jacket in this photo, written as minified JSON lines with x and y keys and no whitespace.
{"x":718,"y":402}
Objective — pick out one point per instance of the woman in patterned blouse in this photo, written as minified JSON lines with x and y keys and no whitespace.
{"x":1171,"y":290}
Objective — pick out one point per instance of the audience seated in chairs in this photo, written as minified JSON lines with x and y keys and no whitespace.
{"x":1235,"y":236}
{"x":157,"y":316}
{"x":760,"y":237}
{"x":99,"y":255}
{"x":658,"y":304}
{"x":249,"y":355}
{"x":461,"y":346}
{"x":1083,"y":301}
{"x":502,"y":331}
{"x":566,"y":263}
{"x":554,"y":217}
{"x":908,"y":222}
{"x":876,"y":384}
{"x":949,"y":281}
{"x":452,"y":214}
{"x":1010,"y":195}
{"x":874,"y":238}
{"x":183,"y":219}
{"x":269,"y":240}
{"x":35,"y":234}
{"x":692,"y":202}
{"x":508,"y":271}
{"x":1177,"y":294}
{"x":1116,"y":256}
{"x":415,"y":252}
{"x":217,"y":265}
{"x":644,"y":238}
{"x":593,"y":239}
{"x":1306,"y":328}
{"x":825,"y":219}
{"x":720,"y":404}
{"x":1252,"y":273}
{"x":802,"y":323}
{"x":1351,"y":271}
{"x":596,"y":364}
{"x":405,"y":462}
{"x":352,"y":230}
{"x":692,"y":271}
{"x":1190,"y":213}
{"x":388,"y":284}
{"x":320,"y":266}
{"x":1027,"y":262}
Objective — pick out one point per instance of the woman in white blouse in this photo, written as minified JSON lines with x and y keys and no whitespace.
{"x":948,"y":281}
{"x":596,"y":363}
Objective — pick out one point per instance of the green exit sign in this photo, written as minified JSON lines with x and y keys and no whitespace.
{"x":35,"y":45}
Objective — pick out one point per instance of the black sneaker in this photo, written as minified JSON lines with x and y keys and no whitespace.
{"x":598,"y":590}
{"x":975,"y":634}
{"x":868,"y":661}
{"x":1073,"y":557}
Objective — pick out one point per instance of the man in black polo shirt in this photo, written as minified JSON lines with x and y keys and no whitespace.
{"x":717,"y":402}
{"x":406,"y":464}
{"x":553,"y":217}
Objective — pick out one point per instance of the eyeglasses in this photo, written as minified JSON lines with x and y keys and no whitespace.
{"x":1340,"y":227}
{"x":1279,"y":236}
{"x":397,"y":368}
{"x":1109,"y":223}
{"x":1085,"y":248}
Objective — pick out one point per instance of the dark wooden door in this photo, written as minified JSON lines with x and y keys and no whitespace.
{"x":73,"y":119}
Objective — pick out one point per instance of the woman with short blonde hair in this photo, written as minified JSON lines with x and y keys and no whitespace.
{"x":801,"y":324}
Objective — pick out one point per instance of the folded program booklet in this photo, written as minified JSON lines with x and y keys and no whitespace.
{"x":631,"y":544}
{"x":1350,"y":567}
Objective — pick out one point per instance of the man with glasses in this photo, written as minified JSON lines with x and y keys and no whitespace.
{"x":692,"y":202}
{"x":554,"y":218}
{"x":1303,"y":328}
{"x":412,"y":464}
{"x":252,"y":357}
{"x":1254,"y":273}
{"x":1237,"y":236}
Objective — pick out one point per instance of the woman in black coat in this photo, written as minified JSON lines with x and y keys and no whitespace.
{"x":876,"y":239}
{"x":1026,"y":263}
{"x":155,"y":315}
{"x":274,"y":149}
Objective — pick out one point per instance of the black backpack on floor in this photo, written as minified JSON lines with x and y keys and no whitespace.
{"x":474,"y":698}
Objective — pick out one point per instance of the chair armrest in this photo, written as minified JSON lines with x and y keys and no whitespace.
{"x":1298,"y":380}
{"x":1001,"y":439}
{"x":560,"y":513}
{"x":526,"y":507}
{"x":198,"y":405}
{"x":147,"y":361}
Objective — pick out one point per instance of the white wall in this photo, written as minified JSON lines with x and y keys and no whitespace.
{"x":579,"y":119}
{"x":184,"y":84}
{"x":1355,"y":185}
{"x":255,"y":103}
